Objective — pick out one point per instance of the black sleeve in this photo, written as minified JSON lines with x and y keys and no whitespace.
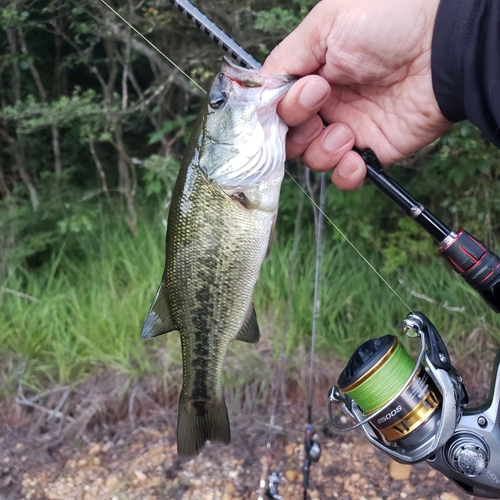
{"x":466,"y":63}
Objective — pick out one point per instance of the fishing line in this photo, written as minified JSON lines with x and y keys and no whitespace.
{"x":376,"y":387}
{"x":246,"y":60}
{"x":153,"y":45}
{"x":352,"y":245}
{"x":300,"y":187}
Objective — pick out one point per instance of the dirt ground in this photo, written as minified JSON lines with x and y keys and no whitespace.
{"x":116,"y":462}
{"x":122,"y":455}
{"x":120,"y":463}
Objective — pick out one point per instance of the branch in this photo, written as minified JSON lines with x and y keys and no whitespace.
{"x":33,"y":68}
{"x":22,"y":400}
{"x":99,"y":169}
{"x":142,"y":48}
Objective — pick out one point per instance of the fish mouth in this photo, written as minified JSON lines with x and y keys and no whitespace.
{"x":249,"y":78}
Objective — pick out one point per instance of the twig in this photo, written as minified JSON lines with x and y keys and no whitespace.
{"x":19,"y":294}
{"x":431,"y":300}
{"x":61,"y":403}
{"x":22,"y":400}
{"x":131,"y":406}
{"x":100,"y":170}
{"x":47,"y":393}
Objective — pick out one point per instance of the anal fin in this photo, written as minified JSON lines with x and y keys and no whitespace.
{"x":158,"y":321}
{"x":250,"y":331}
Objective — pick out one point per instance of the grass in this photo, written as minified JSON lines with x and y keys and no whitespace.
{"x":90,"y":304}
{"x":86,"y":307}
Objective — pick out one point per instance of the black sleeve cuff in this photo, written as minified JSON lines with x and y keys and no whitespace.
{"x":466,"y":63}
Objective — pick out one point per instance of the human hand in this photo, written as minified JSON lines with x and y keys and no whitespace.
{"x":366,"y":69}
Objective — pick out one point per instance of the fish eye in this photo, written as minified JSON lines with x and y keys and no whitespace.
{"x":217,"y":100}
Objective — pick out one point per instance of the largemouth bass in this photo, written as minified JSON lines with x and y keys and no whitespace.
{"x":220,"y":226}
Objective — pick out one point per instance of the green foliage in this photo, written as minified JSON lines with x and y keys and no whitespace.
{"x":83,"y":308}
{"x":159,"y":177}
{"x":357,"y":305}
{"x":20,"y":233}
{"x":25,"y":234}
{"x":277,"y":20}
{"x":92,"y":281}
{"x":13,"y":15}
{"x":283,"y":20}
{"x":31,"y":115}
{"x":465,"y":154}
{"x":460,"y":180}
{"x":181,"y":126}
{"x":405,"y":245}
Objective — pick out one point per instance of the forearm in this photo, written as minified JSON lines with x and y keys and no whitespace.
{"x":466,"y":63}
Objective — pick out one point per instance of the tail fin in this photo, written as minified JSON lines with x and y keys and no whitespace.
{"x":194,"y":430}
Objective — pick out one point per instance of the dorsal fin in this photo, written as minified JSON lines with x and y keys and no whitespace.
{"x":249,"y":332}
{"x":158,"y":321}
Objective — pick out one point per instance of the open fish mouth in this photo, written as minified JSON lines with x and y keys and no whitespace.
{"x":254,"y":77}
{"x":271,"y":87}
{"x":246,"y":136}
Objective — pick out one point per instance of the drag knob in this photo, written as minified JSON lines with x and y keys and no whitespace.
{"x":468,"y":455}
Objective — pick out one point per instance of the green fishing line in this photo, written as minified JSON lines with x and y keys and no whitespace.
{"x":385,"y":382}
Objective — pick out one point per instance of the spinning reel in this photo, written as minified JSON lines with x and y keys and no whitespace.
{"x":417,"y":410}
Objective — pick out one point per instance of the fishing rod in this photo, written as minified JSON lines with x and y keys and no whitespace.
{"x":417,"y":411}
{"x":312,"y":449}
{"x":411,"y":410}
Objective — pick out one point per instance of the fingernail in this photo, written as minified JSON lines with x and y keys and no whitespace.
{"x":336,"y":138}
{"x":305,"y":133}
{"x":313,"y":94}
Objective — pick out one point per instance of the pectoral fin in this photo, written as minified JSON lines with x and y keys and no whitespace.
{"x":249,"y":332}
{"x":158,"y":321}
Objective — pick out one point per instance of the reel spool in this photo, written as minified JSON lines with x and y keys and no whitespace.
{"x":407,"y":408}
{"x":379,"y":370}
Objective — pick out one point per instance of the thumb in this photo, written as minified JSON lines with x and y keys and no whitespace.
{"x":303,"y":51}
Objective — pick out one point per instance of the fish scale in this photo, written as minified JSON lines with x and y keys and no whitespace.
{"x":220,"y":223}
